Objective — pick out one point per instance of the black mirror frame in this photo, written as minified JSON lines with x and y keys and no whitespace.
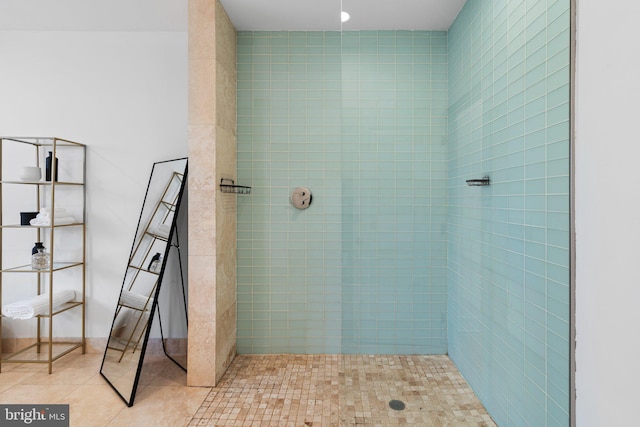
{"x":156,"y":292}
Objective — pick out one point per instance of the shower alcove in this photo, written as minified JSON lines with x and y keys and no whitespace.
{"x":397,"y":254}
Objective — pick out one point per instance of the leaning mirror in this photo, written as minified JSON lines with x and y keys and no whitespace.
{"x":155,"y":235}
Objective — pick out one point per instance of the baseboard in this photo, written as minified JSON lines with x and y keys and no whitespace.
{"x":174,"y":346}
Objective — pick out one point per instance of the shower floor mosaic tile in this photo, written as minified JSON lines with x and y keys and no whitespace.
{"x":341,"y":390}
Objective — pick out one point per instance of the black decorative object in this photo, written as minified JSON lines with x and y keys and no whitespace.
{"x":26,"y":217}
{"x":479,"y":182}
{"x":155,"y":258}
{"x":229,"y":186}
{"x":51,"y":162}
{"x":37,"y":247}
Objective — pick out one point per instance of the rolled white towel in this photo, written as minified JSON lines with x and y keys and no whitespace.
{"x":27,"y":309}
{"x":133,"y":300}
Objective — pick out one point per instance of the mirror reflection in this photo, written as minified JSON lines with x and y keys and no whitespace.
{"x":155,"y":236}
{"x":171,"y":311}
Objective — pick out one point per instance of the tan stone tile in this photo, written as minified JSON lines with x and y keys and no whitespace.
{"x":64,"y":376}
{"x":37,"y":394}
{"x":13,"y":377}
{"x":202,"y":291}
{"x":201,"y":349}
{"x":341,"y":390}
{"x":162,"y":406}
{"x":225,"y":36}
{"x":94,"y":405}
{"x":202,"y":158}
{"x":170,"y":375}
{"x":202,"y":19}
{"x":226,"y":96}
{"x":202,"y":91}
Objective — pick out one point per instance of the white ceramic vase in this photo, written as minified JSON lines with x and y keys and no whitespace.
{"x":30,"y":173}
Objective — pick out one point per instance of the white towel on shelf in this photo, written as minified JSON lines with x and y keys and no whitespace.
{"x":58,"y":221}
{"x":44,"y":217}
{"x":133,"y":300}
{"x":27,"y":309}
{"x":163,"y":230}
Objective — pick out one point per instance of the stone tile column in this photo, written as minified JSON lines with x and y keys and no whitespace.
{"x":212,"y":214}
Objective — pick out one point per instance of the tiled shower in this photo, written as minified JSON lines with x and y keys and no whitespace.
{"x":361,"y":119}
{"x":508,"y":243}
{"x":396,"y":254}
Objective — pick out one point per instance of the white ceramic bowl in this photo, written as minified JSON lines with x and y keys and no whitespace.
{"x":30,"y":173}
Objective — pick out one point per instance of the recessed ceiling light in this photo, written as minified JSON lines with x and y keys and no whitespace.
{"x":344,"y":16}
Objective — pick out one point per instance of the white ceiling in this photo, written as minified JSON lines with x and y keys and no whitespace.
{"x":316,"y":15}
{"x":171,"y":15}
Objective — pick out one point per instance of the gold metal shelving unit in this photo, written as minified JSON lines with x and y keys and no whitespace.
{"x":14,"y":193}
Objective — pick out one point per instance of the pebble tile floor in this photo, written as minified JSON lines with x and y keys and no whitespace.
{"x":258,"y":390}
{"x":341,"y":390}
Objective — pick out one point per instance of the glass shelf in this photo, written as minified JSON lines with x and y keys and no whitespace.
{"x":44,"y":183}
{"x":59,"y":308}
{"x":57,"y":266}
{"x":40,"y":226}
{"x":135,"y":267}
{"x":31,"y":354}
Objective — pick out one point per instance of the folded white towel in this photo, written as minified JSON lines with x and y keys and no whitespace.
{"x":133,"y":300}
{"x":45,"y":215}
{"x":163,"y":230}
{"x":27,"y":309}
{"x":47,"y":221}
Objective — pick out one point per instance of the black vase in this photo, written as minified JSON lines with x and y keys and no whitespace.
{"x":156,"y":257}
{"x":38,"y":245}
{"x":51,"y":162}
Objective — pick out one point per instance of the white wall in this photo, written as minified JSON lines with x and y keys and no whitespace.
{"x":607,"y":213}
{"x":124,"y":95}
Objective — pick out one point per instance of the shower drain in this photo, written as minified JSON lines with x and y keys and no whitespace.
{"x":396,"y":405}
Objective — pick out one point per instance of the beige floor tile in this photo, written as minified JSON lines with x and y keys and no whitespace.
{"x":162,"y":406}
{"x":79,"y":360}
{"x":13,"y":377}
{"x":70,"y":375}
{"x":343,"y":390}
{"x":93,"y":405}
{"x":259,"y":390}
{"x":37,"y":394}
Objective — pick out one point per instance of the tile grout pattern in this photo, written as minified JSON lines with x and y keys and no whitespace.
{"x":360,"y":118}
{"x":259,"y":390}
{"x":508,"y":243}
{"x":345,"y":390}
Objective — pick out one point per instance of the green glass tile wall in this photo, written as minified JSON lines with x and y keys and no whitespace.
{"x":508,"y":243}
{"x":360,"y":118}
{"x":289,"y":135}
{"x":394,"y":191}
